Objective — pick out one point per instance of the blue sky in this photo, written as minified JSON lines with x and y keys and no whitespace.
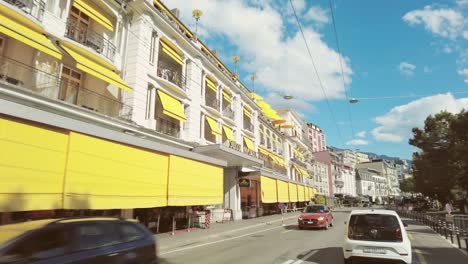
{"x":415,"y":52}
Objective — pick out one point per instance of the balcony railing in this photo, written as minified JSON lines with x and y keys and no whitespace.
{"x":228,"y":112}
{"x":50,"y":86}
{"x":90,"y":38}
{"x":35,"y":8}
{"x":171,"y":74}
{"x":167,"y":127}
{"x":212,"y":102}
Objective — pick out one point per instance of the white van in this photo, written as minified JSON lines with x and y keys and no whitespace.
{"x":376,"y":234}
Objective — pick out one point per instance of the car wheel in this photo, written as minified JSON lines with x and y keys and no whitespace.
{"x":348,"y":261}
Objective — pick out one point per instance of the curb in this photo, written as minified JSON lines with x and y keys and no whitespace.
{"x":217,"y":235}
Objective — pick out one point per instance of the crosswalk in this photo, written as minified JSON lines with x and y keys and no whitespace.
{"x":302,"y":259}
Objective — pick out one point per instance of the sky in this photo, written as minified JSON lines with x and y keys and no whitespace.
{"x":403,"y":60}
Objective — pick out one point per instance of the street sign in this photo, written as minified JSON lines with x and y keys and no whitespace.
{"x":244,"y":183}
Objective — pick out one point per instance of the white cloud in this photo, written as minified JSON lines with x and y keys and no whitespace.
{"x":361,"y":134}
{"x":444,"y":22}
{"x":299,"y":5}
{"x":277,"y":101}
{"x":465,"y":34}
{"x":406,"y":68}
{"x":279,"y":57}
{"x":317,"y":14}
{"x":462,"y":3}
{"x":357,"y":142}
{"x":464,"y":74}
{"x":396,"y":125}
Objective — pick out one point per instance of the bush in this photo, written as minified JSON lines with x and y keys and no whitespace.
{"x":320,"y":199}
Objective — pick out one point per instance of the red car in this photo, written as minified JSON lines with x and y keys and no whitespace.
{"x":315,"y":216}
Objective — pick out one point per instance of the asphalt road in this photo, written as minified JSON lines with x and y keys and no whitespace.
{"x":287,"y":245}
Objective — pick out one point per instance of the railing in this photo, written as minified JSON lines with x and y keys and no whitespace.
{"x":169,"y":73}
{"x":228,"y":112}
{"x":90,"y":38}
{"x":167,"y":127}
{"x":35,"y":8}
{"x":50,"y":86}
{"x":212,"y":102}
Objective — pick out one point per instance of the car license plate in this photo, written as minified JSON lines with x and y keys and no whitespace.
{"x":311,"y":222}
{"x":375,"y":250}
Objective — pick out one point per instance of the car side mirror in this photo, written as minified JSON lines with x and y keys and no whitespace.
{"x":405,"y":224}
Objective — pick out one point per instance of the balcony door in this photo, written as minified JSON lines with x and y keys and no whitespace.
{"x":70,"y":83}
{"x":78,"y":23}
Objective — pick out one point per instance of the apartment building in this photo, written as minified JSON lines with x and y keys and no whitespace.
{"x":316,"y":137}
{"x":386,"y":169}
{"x":120,"y":109}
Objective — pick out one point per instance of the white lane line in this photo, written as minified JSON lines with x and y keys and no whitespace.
{"x":284,"y":232}
{"x":288,"y":262}
{"x":305,"y":257}
{"x":222,"y":240}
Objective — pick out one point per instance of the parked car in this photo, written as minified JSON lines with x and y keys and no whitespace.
{"x":77,"y":241}
{"x":376,"y":234}
{"x":315,"y":216}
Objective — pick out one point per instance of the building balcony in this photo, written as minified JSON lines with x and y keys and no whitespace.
{"x":172,"y":75}
{"x":51,"y":86}
{"x":167,"y":127}
{"x":248,"y":126}
{"x":212,"y":102}
{"x":228,"y":112}
{"x":90,"y":38}
{"x":34,"y":8}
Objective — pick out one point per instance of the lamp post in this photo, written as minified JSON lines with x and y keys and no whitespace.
{"x":236,"y":59}
{"x":253,"y":77}
{"x":196,"y":13}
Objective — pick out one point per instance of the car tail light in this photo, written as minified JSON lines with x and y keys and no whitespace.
{"x":398,"y":234}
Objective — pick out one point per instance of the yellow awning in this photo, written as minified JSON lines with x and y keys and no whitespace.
{"x":298,"y":154}
{"x":256,"y":96}
{"x":194,"y":183}
{"x":247,"y":112}
{"x":292,"y":192}
{"x":171,"y":52}
{"x":301,"y":193}
{"x":227,"y":96}
{"x":302,"y":171}
{"x":171,"y":106}
{"x":249,"y":143}
{"x":279,"y":121}
{"x":268,"y":188}
{"x":86,"y":7}
{"x":16,"y":26}
{"x":229,"y":133}
{"x":92,"y":64}
{"x":264,"y":151}
{"x":287,"y":126}
{"x":283,"y":191}
{"x":210,"y":84}
{"x":279,"y":160}
{"x":312,"y":192}
{"x":214,"y":126}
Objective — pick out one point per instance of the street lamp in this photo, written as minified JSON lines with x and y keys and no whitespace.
{"x":253,"y":77}
{"x":197,"y":13}
{"x":236,"y":59}
{"x":353,"y":100}
{"x":287,"y":97}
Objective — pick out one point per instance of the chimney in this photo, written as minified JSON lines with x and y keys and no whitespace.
{"x":175,"y":12}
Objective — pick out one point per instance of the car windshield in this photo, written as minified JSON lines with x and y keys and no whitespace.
{"x":374,"y":227}
{"x":314,"y":209}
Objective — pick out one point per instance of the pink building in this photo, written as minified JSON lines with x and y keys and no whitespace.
{"x":316,"y":137}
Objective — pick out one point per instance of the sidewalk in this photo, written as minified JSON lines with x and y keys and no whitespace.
{"x":431,"y":248}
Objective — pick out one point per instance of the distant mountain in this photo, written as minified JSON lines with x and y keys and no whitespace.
{"x":377,"y":156}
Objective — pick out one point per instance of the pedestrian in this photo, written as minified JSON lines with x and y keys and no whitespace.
{"x":448,"y":207}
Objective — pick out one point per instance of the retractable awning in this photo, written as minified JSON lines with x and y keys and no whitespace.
{"x":95,"y":14}
{"x":20,"y":28}
{"x":214,"y":126}
{"x":94,"y":65}
{"x":171,"y":51}
{"x":229,"y":133}
{"x":292,"y":192}
{"x":249,"y":144}
{"x":268,"y":188}
{"x":301,"y":192}
{"x":210,"y":84}
{"x":283,"y":191}
{"x":227,"y":96}
{"x":171,"y":106}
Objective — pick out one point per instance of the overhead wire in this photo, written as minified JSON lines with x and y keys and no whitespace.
{"x":341,"y":67}
{"x":332,"y":114}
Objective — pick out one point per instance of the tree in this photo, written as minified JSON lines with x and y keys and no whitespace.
{"x":320,"y":199}
{"x":407,"y":185}
{"x":441,"y":164}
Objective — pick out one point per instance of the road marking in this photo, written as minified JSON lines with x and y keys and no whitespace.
{"x":420,"y":256}
{"x":310,"y":255}
{"x":410,"y":236}
{"x":284,"y":232}
{"x":289,"y":261}
{"x":222,"y":240}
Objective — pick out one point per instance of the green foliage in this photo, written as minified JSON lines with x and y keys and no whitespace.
{"x":320,"y":199}
{"x":407,"y":185}
{"x":442,"y":162}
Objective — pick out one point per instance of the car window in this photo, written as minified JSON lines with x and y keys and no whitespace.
{"x":95,"y":235}
{"x":374,"y":227}
{"x":43,"y":245}
{"x":314,"y":209}
{"x":130,"y":232}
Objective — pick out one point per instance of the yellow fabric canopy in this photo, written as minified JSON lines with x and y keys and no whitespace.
{"x":301,"y":193}
{"x":214,"y":126}
{"x":302,"y":171}
{"x":249,"y":143}
{"x":268,"y":188}
{"x":283,"y":191}
{"x":229,"y":133}
{"x":298,"y":154}
{"x":17,"y":27}
{"x":171,"y":106}
{"x":256,"y":96}
{"x":210,"y":84}
{"x":247,"y":112}
{"x":86,"y":7}
{"x":264,"y":151}
{"x":227,"y":96}
{"x":292,"y":192}
{"x":92,"y":64}
{"x":171,"y":52}
{"x":287,"y":126}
